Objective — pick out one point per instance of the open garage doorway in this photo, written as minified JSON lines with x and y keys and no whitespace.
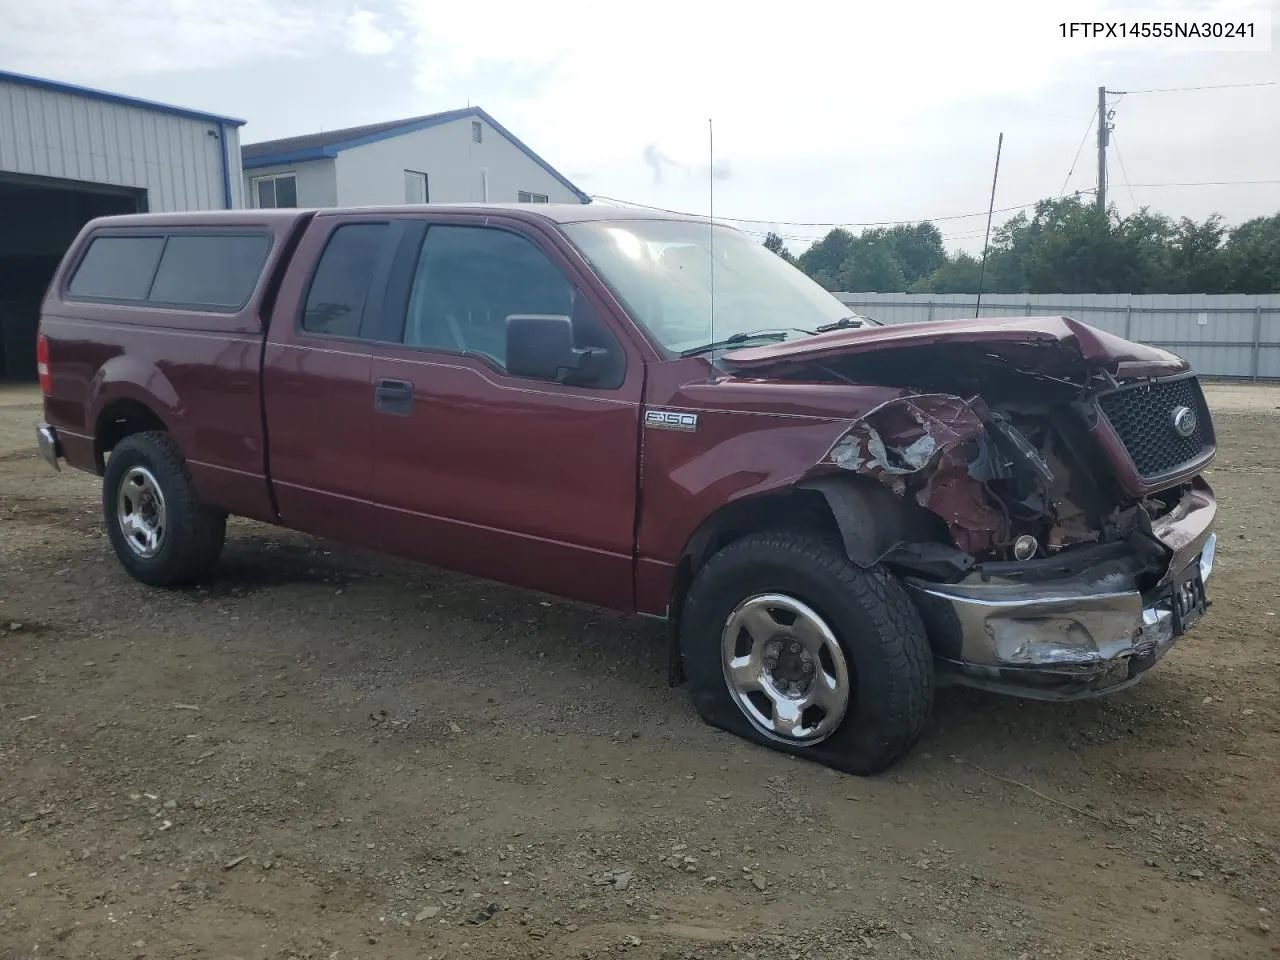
{"x":39,"y":217}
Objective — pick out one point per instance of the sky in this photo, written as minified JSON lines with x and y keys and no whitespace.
{"x":822,"y":112}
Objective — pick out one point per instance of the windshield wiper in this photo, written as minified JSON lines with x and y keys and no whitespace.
{"x":853,"y":320}
{"x":770,"y":336}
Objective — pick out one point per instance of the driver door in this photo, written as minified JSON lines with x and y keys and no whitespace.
{"x":529,"y":482}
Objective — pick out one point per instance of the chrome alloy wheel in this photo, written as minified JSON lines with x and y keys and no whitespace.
{"x":140,"y":512}
{"x":785,"y":669}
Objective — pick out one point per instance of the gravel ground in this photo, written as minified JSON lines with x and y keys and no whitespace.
{"x":330,"y":755}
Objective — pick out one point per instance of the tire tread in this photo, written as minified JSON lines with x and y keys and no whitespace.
{"x":198,"y":531}
{"x":904,"y":645}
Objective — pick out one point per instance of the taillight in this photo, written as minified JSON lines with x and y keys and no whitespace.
{"x":42,"y":364}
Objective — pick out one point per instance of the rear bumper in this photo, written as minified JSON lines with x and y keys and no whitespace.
{"x":1069,"y":639}
{"x":48,"y":445}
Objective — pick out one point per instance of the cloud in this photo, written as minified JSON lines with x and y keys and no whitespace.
{"x":664,"y":167}
{"x":659,"y":162}
{"x":365,"y":35}
{"x":823,"y":111}
{"x":79,"y":40}
{"x":815,"y":74}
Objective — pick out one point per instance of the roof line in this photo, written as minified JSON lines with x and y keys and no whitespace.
{"x":59,"y":87}
{"x":581,"y":195}
{"x":331,"y":150}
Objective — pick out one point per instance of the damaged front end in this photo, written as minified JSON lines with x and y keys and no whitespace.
{"x":1080,"y":529}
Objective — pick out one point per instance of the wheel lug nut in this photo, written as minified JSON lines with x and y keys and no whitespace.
{"x":795,"y":648}
{"x":807,"y":667}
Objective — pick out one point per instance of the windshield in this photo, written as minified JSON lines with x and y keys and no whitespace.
{"x":662,"y":270}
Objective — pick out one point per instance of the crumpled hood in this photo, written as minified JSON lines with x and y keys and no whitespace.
{"x":1078,"y":344}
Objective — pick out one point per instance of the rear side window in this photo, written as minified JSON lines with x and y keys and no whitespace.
{"x":117,"y":268}
{"x":216,"y":271}
{"x":340,"y":287}
{"x":213,"y":271}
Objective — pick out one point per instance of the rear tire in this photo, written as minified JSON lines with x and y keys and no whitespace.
{"x":847,"y":678}
{"x":162,"y":535}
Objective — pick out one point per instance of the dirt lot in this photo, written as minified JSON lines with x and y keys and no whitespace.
{"x":329,"y":755}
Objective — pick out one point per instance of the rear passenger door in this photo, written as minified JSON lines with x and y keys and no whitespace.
{"x":317,"y":378}
{"x":528,"y":482}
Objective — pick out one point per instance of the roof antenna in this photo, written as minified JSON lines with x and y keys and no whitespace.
{"x":982,"y":274}
{"x":711,"y":225}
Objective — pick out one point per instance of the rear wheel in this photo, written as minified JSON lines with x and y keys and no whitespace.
{"x":789,"y":644}
{"x":162,"y":535}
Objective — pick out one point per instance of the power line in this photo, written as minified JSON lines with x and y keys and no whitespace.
{"x":1215,"y":86}
{"x":1211,"y":183}
{"x":766,"y":226}
{"x":1080,"y":149}
{"x":803,"y":223}
{"x":1123,"y":172}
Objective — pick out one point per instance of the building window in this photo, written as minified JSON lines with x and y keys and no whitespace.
{"x":278,"y":191}
{"x":477,"y":132}
{"x":526,"y":197}
{"x":415,"y":187}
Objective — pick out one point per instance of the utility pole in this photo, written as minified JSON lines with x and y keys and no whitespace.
{"x":1102,"y":149}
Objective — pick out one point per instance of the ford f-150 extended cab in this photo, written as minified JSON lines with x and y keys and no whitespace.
{"x":653,"y":414}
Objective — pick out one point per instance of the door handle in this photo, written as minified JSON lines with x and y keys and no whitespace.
{"x":393,"y":397}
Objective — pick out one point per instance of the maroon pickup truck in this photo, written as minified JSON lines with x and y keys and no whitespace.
{"x":652,"y":414}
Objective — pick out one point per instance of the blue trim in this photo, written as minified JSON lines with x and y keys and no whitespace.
{"x":283,"y":159}
{"x":534,"y":157}
{"x":331,"y":150}
{"x":226,"y":167}
{"x":59,"y":87}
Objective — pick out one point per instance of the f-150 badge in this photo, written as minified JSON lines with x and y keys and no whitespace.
{"x":671,"y":420}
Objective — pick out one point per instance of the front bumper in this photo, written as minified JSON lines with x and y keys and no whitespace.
{"x":1071,"y":638}
{"x":47,"y":443}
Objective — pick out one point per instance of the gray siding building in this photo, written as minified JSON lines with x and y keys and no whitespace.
{"x":454,"y":157}
{"x":68,"y":154}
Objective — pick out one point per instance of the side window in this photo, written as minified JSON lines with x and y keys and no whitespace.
{"x":212,"y":271}
{"x":117,"y":268}
{"x":340,"y":287}
{"x":470,"y":279}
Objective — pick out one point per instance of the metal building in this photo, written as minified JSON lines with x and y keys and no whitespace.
{"x":451,"y":157}
{"x":69,"y":154}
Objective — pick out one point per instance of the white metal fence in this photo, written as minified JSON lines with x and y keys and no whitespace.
{"x":1222,"y":336}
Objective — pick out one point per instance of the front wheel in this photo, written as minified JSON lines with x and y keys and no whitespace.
{"x":162,"y":535}
{"x":789,"y":644}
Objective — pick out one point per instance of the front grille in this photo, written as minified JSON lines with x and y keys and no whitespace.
{"x":1143,"y":418}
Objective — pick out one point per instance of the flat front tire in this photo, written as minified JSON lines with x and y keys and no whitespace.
{"x":789,"y":644}
{"x":162,"y":535}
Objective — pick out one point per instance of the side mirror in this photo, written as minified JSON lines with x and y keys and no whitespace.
{"x":540,"y":346}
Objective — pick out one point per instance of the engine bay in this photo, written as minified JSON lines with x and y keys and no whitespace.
{"x":1001,"y":449}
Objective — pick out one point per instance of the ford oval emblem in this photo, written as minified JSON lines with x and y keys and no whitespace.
{"x":1184,"y":421}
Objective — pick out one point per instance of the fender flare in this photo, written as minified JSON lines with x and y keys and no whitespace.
{"x":125,"y":377}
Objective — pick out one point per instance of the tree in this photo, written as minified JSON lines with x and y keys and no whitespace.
{"x":775,"y":244}
{"x":1253,"y":256}
{"x":917,"y":248}
{"x":1066,"y":246}
{"x":959,"y":274}
{"x":1149,"y":240}
{"x":824,"y":260}
{"x":1197,"y":262}
{"x":872,"y":267}
{"x":1063,"y":246}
